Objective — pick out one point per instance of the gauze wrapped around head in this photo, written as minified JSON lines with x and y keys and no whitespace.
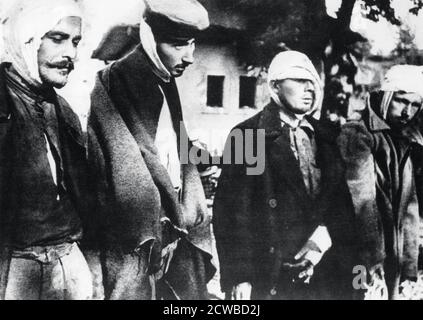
{"x":26,"y":23}
{"x":405,"y":78}
{"x":149,"y":45}
{"x":295,"y":65}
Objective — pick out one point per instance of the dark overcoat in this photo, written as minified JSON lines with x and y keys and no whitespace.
{"x":136,"y":206}
{"x":74,"y":163}
{"x":262,"y":220}
{"x":379,"y":160}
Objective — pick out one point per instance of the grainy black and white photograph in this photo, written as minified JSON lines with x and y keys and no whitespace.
{"x":219,"y":150}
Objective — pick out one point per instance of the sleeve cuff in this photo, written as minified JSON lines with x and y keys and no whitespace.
{"x":322,"y":239}
{"x":314,"y":257}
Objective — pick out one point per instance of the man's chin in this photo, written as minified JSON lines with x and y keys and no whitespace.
{"x":57,"y":83}
{"x":177,"y":74}
{"x":302,"y":111}
{"x":400,"y":124}
{"x":56,"y":79}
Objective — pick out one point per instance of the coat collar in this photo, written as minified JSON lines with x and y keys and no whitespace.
{"x":270,"y":120}
{"x":64,"y":112}
{"x":374,"y":122}
{"x":134,"y":84}
{"x":70,"y":120}
{"x":5,"y":111}
{"x":136,"y":67}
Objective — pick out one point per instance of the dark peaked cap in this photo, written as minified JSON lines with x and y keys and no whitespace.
{"x":176,"y":19}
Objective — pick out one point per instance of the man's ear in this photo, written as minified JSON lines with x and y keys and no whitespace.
{"x":274,"y":85}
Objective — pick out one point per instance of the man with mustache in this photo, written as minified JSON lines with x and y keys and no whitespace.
{"x":151,"y":214}
{"x":272,"y":230}
{"x":379,"y":152}
{"x":42,"y":157}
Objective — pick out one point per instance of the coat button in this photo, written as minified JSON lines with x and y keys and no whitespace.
{"x":273,"y":203}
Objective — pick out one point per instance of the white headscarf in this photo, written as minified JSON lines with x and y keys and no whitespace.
{"x":295,"y":65}
{"x":407,"y":78}
{"x":26,"y":24}
{"x":150,"y":47}
{"x":185,"y":12}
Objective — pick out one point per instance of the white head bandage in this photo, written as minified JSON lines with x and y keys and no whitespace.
{"x":295,"y":65}
{"x":27,"y":22}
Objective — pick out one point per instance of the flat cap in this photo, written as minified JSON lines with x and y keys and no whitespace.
{"x":176,"y":19}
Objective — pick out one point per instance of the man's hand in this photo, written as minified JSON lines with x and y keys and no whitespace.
{"x":301,"y":271}
{"x":242,"y":291}
{"x":309,"y":256}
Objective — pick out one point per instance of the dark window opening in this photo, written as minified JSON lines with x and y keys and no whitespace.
{"x":215,"y":91}
{"x":247,"y":92}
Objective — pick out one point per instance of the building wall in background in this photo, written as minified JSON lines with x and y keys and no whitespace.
{"x":211,"y":124}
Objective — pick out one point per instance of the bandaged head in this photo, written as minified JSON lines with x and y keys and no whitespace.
{"x":27,"y":22}
{"x":295,"y":65}
{"x":400,"y":78}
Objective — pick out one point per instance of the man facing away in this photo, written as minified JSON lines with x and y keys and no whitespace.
{"x":378,"y":153}
{"x":42,"y":156}
{"x":150,"y":215}
{"x":273,"y":229}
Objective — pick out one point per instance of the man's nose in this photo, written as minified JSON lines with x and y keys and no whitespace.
{"x":70,"y":51}
{"x":407,"y":111}
{"x":308,"y":86}
{"x":189,"y":55}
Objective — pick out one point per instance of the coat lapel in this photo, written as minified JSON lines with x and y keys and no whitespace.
{"x":5,"y":112}
{"x":285,"y":165}
{"x":69,"y":123}
{"x":280,"y":156}
{"x":5,"y":125}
